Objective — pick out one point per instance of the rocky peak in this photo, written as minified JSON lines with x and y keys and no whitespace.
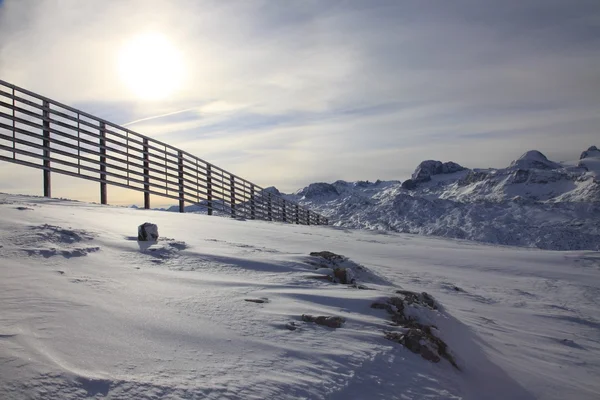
{"x":428,"y":168}
{"x":272,"y":190}
{"x":591,"y":152}
{"x":319,"y":189}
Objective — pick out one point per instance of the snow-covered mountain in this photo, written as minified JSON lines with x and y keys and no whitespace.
{"x":534,"y":202}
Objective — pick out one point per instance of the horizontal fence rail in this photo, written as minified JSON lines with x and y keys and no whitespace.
{"x":41,"y":133}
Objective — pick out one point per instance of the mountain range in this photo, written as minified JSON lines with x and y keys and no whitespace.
{"x":534,"y":202}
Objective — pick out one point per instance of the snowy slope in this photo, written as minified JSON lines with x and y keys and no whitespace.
{"x":88,"y":312}
{"x":534,"y":202}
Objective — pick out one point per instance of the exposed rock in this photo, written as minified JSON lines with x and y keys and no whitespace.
{"x":329,"y":256}
{"x":291,"y":326}
{"x":409,"y":184}
{"x":414,"y":335}
{"x":361,"y":287}
{"x":331,"y":322}
{"x":423,"y":298}
{"x":591,"y":152}
{"x":321,"y":277}
{"x":422,"y":342}
{"x":428,"y":168}
{"x":147,"y":232}
{"x":343,"y":276}
{"x":259,"y":301}
{"x":319,"y":189}
{"x":473,"y":177}
{"x":272,"y":190}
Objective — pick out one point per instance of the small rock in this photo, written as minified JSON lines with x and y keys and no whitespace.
{"x":362,"y":287}
{"x":423,"y":298}
{"x":424,"y":343}
{"x":331,"y":322}
{"x":259,"y":301}
{"x":291,"y":326}
{"x":329,"y":256}
{"x":321,"y":277}
{"x":343,"y":275}
{"x":147,"y":232}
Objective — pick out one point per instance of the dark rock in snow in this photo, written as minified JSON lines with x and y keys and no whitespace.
{"x":272,"y":190}
{"x":331,"y":322}
{"x":320,"y":189}
{"x":147,"y":232}
{"x":428,"y":168}
{"x":343,"y":276}
{"x":409,"y":184}
{"x":291,"y":326}
{"x":422,"y":342}
{"x":328,"y":256}
{"x":259,"y":301}
{"x":591,"y":152}
{"x":415,"y":336}
{"x":361,"y":287}
{"x":423,"y":298}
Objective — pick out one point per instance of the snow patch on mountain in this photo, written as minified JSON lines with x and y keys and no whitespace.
{"x":534,"y":159}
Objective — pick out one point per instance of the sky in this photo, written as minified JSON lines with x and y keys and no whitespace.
{"x":286,"y":93}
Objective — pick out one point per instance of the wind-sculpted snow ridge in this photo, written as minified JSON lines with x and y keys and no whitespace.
{"x":534,"y":202}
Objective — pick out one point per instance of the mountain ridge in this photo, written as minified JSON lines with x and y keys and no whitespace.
{"x":534,"y":202}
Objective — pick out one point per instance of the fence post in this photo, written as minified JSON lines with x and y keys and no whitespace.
{"x":103,"y":163}
{"x":307,"y":217}
{"x":209,"y":189}
{"x":297,"y":216}
{"x":180,"y":181}
{"x":252,"y":206}
{"x":232,"y":194}
{"x":145,"y":157}
{"x":46,"y":143}
{"x":269,"y":215}
{"x":284,"y":212}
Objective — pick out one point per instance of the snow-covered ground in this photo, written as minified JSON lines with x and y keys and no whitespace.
{"x":86,"y":311}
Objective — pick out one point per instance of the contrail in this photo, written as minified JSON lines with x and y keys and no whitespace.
{"x":160,"y":116}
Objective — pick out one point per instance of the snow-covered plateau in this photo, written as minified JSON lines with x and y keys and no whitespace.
{"x":534,"y":202}
{"x":219,"y":308}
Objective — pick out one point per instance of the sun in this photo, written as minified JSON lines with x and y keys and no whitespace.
{"x":150,"y":66}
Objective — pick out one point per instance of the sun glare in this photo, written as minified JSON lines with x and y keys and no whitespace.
{"x":150,"y":66}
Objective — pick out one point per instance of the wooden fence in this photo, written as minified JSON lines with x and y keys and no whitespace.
{"x":41,"y":133}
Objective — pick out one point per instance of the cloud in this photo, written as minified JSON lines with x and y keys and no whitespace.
{"x":289,"y":93}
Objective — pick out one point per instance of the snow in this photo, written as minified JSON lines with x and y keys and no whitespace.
{"x":534,"y":159}
{"x":87,"y":311}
